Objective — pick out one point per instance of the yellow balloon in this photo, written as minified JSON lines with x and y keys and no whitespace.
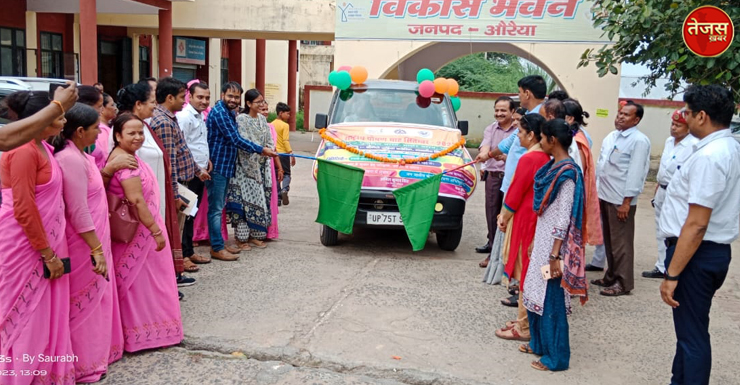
{"x":359,"y":74}
{"x":440,"y":85}
{"x":452,"y":87}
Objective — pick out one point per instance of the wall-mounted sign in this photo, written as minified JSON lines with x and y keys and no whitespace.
{"x":468,"y":20}
{"x":190,"y":51}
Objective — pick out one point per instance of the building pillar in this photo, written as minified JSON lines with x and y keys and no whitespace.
{"x":88,"y":42}
{"x":235,"y":60}
{"x":165,"y":42}
{"x":292,"y":81}
{"x":135,"y":57}
{"x":259,"y":82}
{"x":154,"y":58}
{"x":31,"y":44}
{"x":214,"y":69}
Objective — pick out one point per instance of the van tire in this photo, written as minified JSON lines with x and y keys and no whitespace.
{"x":448,"y":240}
{"x":329,"y":236}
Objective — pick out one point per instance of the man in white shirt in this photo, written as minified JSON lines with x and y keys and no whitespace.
{"x":699,"y":220}
{"x":193,"y":127}
{"x":623,"y":166}
{"x":678,"y":147}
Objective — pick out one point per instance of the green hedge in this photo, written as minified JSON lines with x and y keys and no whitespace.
{"x":298,"y":120}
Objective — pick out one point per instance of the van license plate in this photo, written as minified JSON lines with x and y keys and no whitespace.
{"x":378,"y":218}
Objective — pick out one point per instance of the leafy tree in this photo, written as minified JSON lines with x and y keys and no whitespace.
{"x":649,"y":33}
{"x":491,"y":72}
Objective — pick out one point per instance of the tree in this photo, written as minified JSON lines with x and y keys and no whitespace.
{"x":491,"y":72}
{"x":649,"y":33}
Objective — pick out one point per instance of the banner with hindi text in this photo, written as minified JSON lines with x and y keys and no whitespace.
{"x":468,"y":20}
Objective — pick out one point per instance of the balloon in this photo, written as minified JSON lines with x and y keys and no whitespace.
{"x":343,"y":80}
{"x":423,"y":102}
{"x":424,"y":74}
{"x":344,"y":68}
{"x":332,"y":77}
{"x":452,"y":87}
{"x":440,"y":85}
{"x":346,"y":95}
{"x":359,"y":74}
{"x":426,"y":89}
{"x":455,"y":102}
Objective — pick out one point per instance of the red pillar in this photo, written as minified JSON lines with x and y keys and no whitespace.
{"x":259,"y":82}
{"x":235,"y":60}
{"x":165,"y":42}
{"x":88,"y":42}
{"x":292,"y":76}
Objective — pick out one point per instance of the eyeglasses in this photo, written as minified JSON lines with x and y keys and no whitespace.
{"x":263,"y":101}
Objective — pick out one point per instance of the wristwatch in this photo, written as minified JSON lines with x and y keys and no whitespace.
{"x":555,"y":257}
{"x":671,"y":277}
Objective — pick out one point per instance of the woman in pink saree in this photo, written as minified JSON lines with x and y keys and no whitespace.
{"x":34,"y":311}
{"x":147,"y":294}
{"x":94,"y":319}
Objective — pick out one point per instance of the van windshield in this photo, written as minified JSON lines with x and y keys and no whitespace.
{"x":389,"y":105}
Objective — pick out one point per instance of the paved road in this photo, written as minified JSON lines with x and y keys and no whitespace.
{"x":300,"y":313}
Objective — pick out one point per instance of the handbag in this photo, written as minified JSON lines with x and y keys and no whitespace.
{"x":124,"y":219}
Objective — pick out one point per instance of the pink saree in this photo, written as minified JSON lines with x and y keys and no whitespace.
{"x":94,"y":319}
{"x":200,"y":226}
{"x":147,"y":291}
{"x":34,"y":311}
{"x":272,"y":230}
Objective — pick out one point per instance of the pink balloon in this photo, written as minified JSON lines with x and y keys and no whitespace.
{"x":426,"y":88}
{"x":344,"y":68}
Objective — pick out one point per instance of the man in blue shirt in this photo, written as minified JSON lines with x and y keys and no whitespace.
{"x":224,"y":143}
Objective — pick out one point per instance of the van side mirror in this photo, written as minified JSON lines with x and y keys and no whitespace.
{"x":462,"y":125}
{"x":322,"y":120}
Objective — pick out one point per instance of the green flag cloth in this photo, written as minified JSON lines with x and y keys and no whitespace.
{"x":416,"y":203}
{"x":339,"y":193}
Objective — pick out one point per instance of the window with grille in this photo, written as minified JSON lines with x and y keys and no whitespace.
{"x":12,"y":52}
{"x":52,"y":55}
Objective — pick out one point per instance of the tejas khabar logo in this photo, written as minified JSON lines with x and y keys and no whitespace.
{"x":708,"y":31}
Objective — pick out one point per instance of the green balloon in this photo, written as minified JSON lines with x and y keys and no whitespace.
{"x":343,"y":80}
{"x":346,"y":95}
{"x":332,"y":77}
{"x":424,"y":74}
{"x":456,"y":103}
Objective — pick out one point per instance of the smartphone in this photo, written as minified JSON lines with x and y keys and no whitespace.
{"x":53,"y":87}
{"x":546,"y":271}
{"x":187,"y":203}
{"x":67,"y":268}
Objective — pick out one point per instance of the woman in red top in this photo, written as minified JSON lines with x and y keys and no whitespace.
{"x":34,"y":310}
{"x":518,"y":205}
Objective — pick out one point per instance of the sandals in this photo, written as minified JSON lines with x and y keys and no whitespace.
{"x":484,"y":263}
{"x":190,"y":267}
{"x":514,"y":290}
{"x":539,"y":366}
{"x":599,"y":282}
{"x":615,"y":290}
{"x":511,"y":334}
{"x":512,"y":301}
{"x":243,"y":246}
{"x":524,"y":348}
{"x":256,"y":243}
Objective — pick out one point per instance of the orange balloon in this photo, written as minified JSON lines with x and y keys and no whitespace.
{"x":440,"y":85}
{"x":358,"y":74}
{"x":452,"y":87}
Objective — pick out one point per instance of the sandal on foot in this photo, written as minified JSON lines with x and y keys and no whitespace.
{"x":511,"y":334}
{"x":539,"y":366}
{"x":243,"y":246}
{"x":599,"y":282}
{"x":512,"y":301}
{"x":190,"y":267}
{"x":508,"y":325}
{"x":256,"y":243}
{"x":524,"y":348}
{"x":514,"y":290}
{"x":614,"y":291}
{"x":484,"y":263}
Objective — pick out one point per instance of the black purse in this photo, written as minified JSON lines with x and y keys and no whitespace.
{"x":67,"y":268}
